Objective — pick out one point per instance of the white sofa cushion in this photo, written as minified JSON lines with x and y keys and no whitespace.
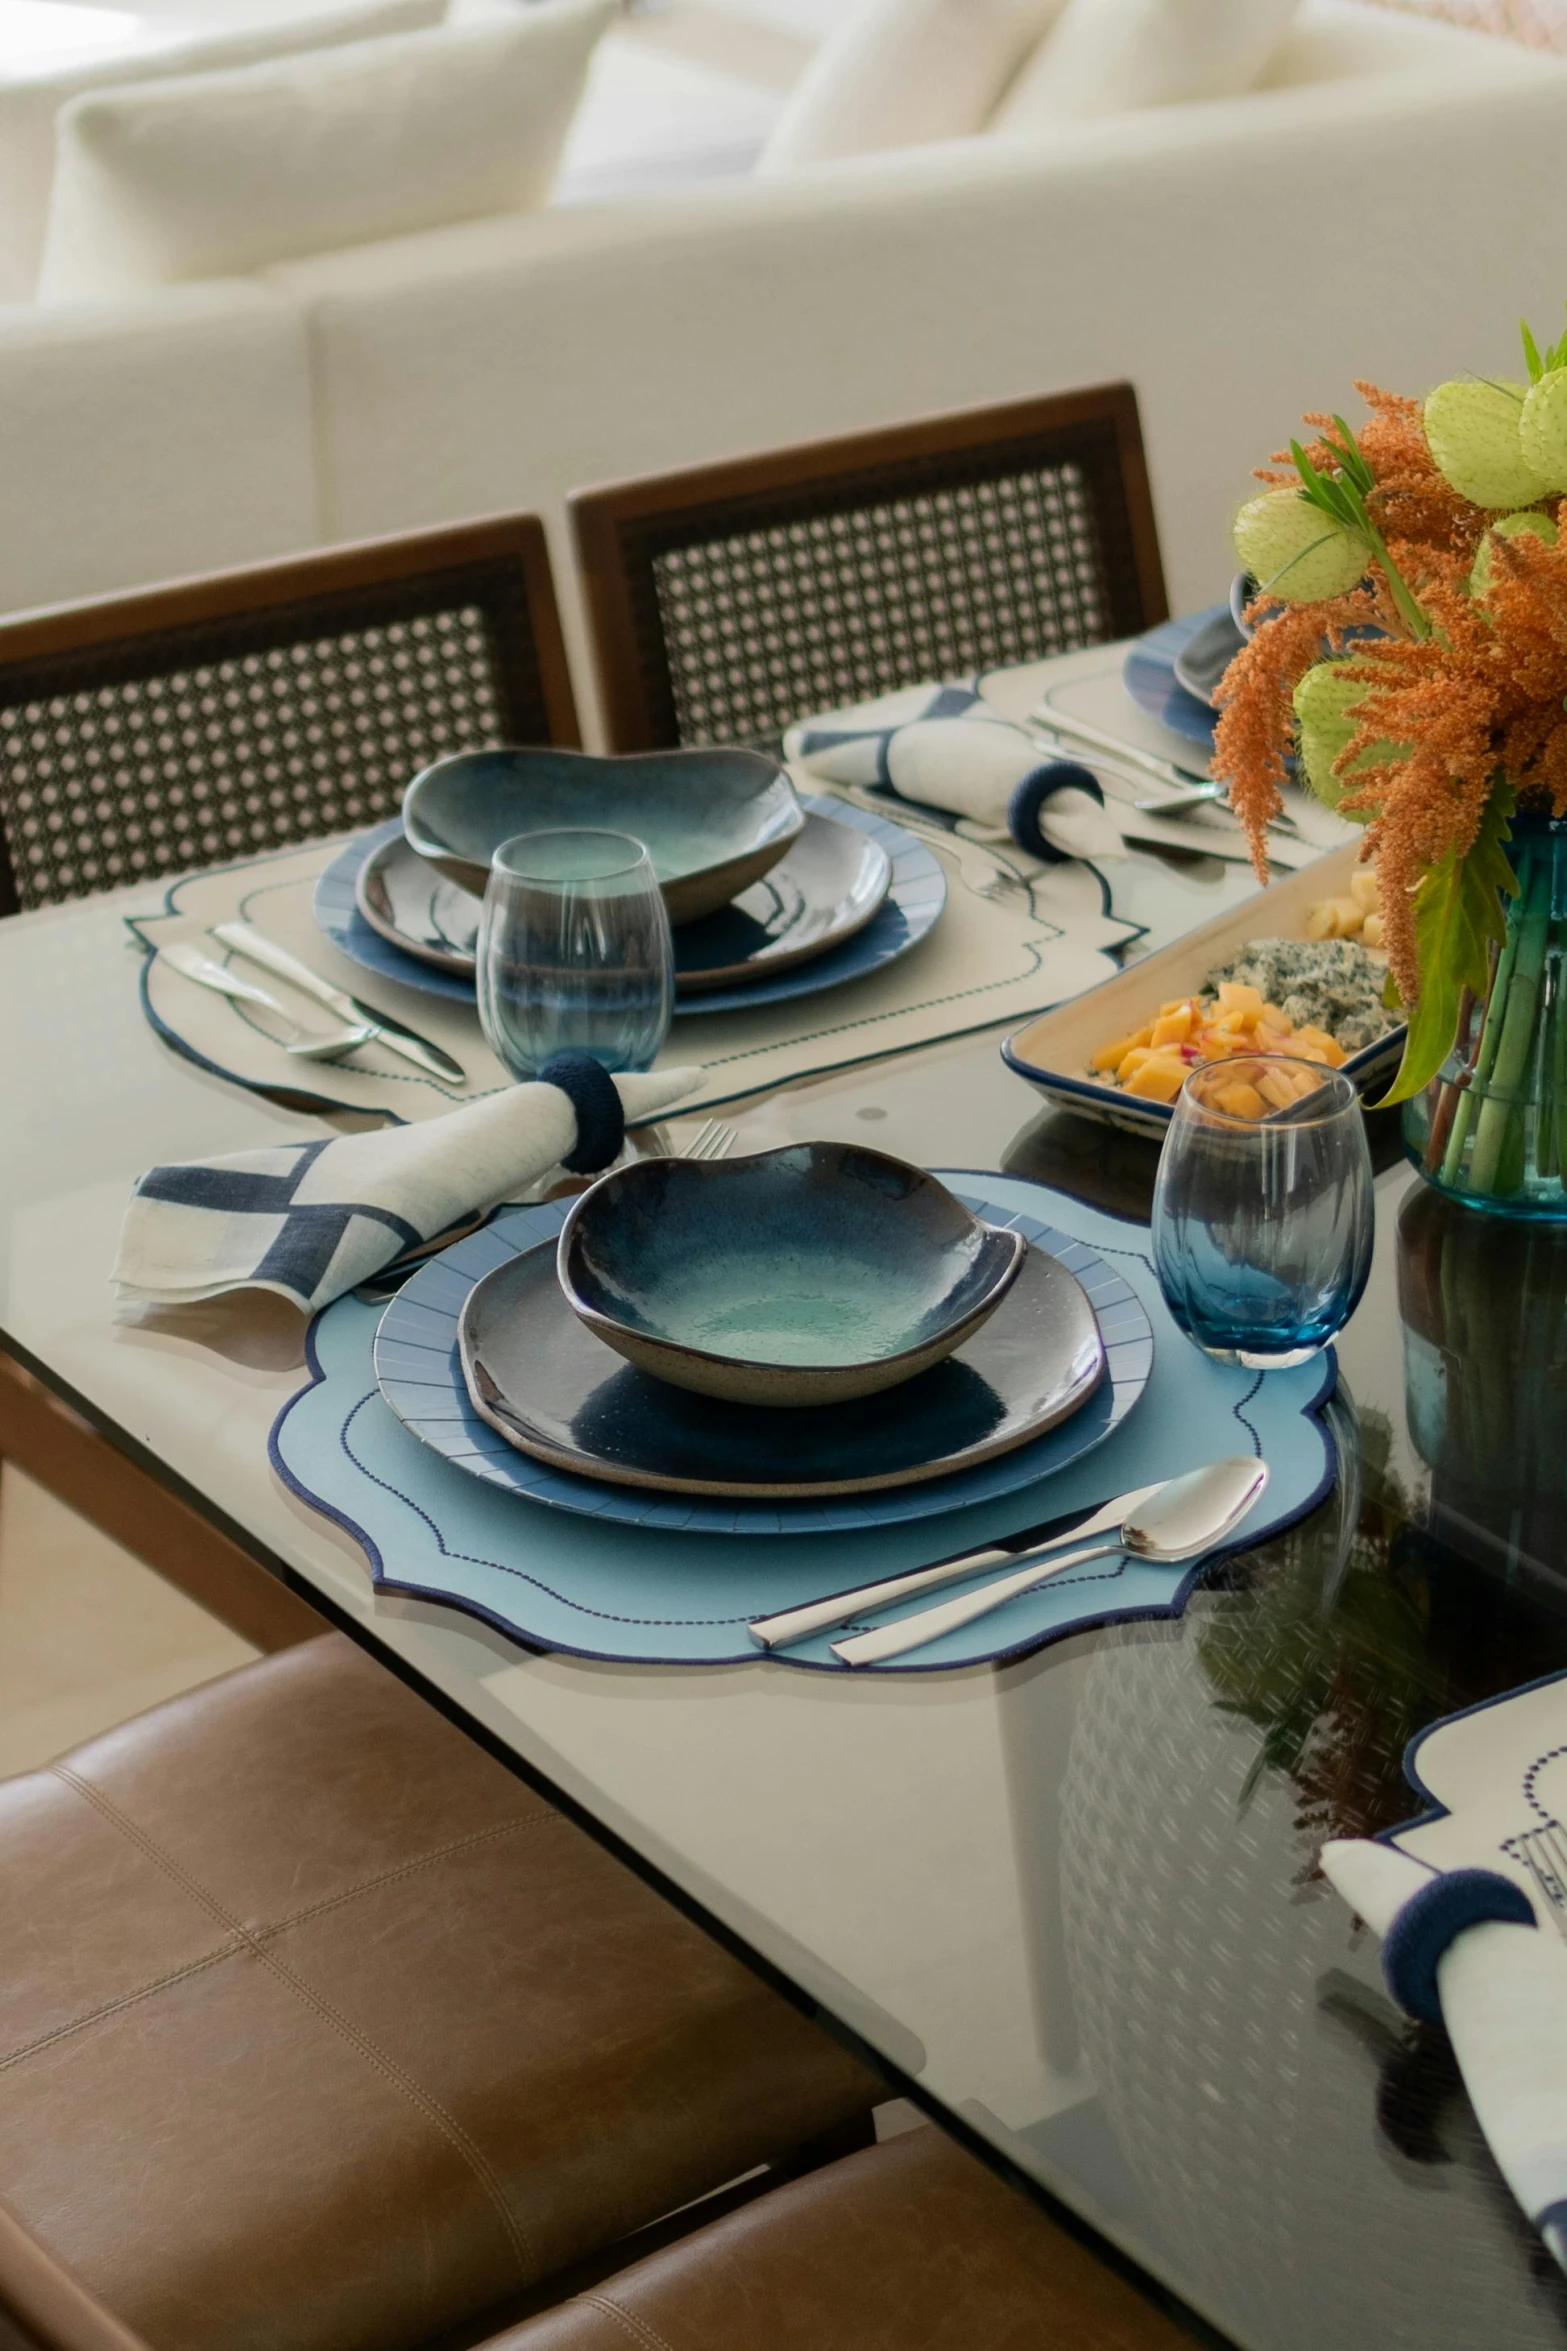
{"x":218,"y":174}
{"x":31,"y":101}
{"x":1116,"y":56}
{"x":905,"y":73}
{"x":148,"y":440}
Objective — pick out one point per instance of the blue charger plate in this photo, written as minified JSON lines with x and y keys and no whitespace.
{"x":1149,"y":676}
{"x":914,"y":901}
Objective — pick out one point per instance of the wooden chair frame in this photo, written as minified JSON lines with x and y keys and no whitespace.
{"x":501,"y":564}
{"x":623,"y":528}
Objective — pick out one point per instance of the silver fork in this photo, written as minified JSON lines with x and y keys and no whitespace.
{"x":712,"y":1141}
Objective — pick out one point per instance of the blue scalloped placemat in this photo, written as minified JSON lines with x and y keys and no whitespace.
{"x":646,"y":1595}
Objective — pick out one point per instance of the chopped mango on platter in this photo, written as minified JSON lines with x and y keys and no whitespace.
{"x":1329,"y":984}
{"x":1175,"y":1026}
{"x":1111,"y":1056}
{"x":1159,"y":1078}
{"x":1350,"y":915}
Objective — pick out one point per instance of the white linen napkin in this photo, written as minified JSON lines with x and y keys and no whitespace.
{"x":312,"y":1220}
{"x":948,"y":748}
{"x":1465,"y":1939}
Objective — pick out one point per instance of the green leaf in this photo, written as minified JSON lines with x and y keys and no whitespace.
{"x":1323,"y":492}
{"x":1531,"y":352}
{"x":1349,"y":456}
{"x":1458,"y":914}
{"x":1557,"y":355}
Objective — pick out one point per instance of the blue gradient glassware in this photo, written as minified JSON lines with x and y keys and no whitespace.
{"x":574,"y":952}
{"x":1262,"y":1224}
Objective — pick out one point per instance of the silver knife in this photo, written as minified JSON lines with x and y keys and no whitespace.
{"x":395,"y":1035}
{"x":775,"y":1632}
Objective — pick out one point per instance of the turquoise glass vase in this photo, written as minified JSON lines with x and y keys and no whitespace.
{"x":1491,"y":1128}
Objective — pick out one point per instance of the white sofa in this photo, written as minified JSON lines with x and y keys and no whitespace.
{"x":1387,"y":208}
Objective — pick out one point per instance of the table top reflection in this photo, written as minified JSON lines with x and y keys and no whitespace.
{"x":1075,"y":1899}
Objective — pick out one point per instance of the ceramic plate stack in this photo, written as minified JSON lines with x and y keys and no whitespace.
{"x":771,"y":897}
{"x":482,"y":1357}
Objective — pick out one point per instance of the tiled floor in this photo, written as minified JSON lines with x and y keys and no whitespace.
{"x":88,"y":1636}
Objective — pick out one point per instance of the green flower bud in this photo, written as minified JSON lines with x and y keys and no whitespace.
{"x":1542,"y":429}
{"x":1511,"y":526}
{"x":1475,"y":434}
{"x":1326,"y":713}
{"x":1292,"y":549}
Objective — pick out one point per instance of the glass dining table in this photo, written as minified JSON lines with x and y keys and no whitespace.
{"x":1071,"y":1903}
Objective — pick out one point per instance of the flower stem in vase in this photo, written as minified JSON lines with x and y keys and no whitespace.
{"x":1514,"y":1012}
{"x":1485,"y":1059}
{"x":1453,"y":1089}
{"x":1547,"y":1138}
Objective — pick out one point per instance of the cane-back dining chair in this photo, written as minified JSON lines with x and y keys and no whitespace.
{"x":221,"y":717}
{"x":727,"y":602}
{"x":144,"y":734}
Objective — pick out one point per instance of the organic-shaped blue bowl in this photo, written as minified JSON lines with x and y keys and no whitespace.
{"x":712,"y":822}
{"x":809,"y":1275}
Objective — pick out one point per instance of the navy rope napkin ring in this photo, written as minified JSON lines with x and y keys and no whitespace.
{"x":1432,"y":1919}
{"x":601,"y":1118}
{"x":1032,"y":797}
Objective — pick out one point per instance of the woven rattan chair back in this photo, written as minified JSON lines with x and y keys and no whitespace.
{"x":727,"y":602}
{"x":141,"y":735}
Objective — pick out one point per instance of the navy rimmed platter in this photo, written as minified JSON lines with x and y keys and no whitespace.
{"x":916,"y":894}
{"x":419,"y":1372}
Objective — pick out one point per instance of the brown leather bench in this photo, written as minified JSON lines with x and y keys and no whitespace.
{"x":321,"y":2031}
{"x":913,"y":2246}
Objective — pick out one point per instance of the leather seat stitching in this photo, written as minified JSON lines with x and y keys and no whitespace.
{"x":447,"y":2124}
{"x":637,"y":2328}
{"x":408,"y":1869}
{"x":542,"y":1819}
{"x":92,"y":2016}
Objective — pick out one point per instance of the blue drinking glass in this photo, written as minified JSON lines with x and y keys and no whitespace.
{"x":1263,"y":1210}
{"x":575,"y":952}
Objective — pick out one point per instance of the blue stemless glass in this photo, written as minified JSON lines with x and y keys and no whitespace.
{"x":1262,"y":1214}
{"x":575,"y":952}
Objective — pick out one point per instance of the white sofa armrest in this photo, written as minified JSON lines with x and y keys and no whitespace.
{"x":146,"y":439}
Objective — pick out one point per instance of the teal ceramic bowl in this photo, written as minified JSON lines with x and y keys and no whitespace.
{"x":810,"y":1275}
{"x":712,"y":822}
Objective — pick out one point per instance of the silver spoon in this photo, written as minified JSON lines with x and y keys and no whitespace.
{"x":307,"y":1045}
{"x":1186,"y":1516}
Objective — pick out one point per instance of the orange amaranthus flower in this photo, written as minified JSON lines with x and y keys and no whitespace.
{"x":1482,"y":696}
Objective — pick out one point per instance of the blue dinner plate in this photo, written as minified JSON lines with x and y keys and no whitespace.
{"x":1150,"y":679}
{"x":913,"y":904}
{"x":419,"y":1372}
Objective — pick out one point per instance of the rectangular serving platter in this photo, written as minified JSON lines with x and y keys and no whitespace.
{"x":1054,"y":1049}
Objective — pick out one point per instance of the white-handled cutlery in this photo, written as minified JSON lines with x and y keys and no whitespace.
{"x":242,"y":938}
{"x":1175,"y":1521}
{"x":304,"y":1044}
{"x":794,"y":1624}
{"x":1184,"y":787}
